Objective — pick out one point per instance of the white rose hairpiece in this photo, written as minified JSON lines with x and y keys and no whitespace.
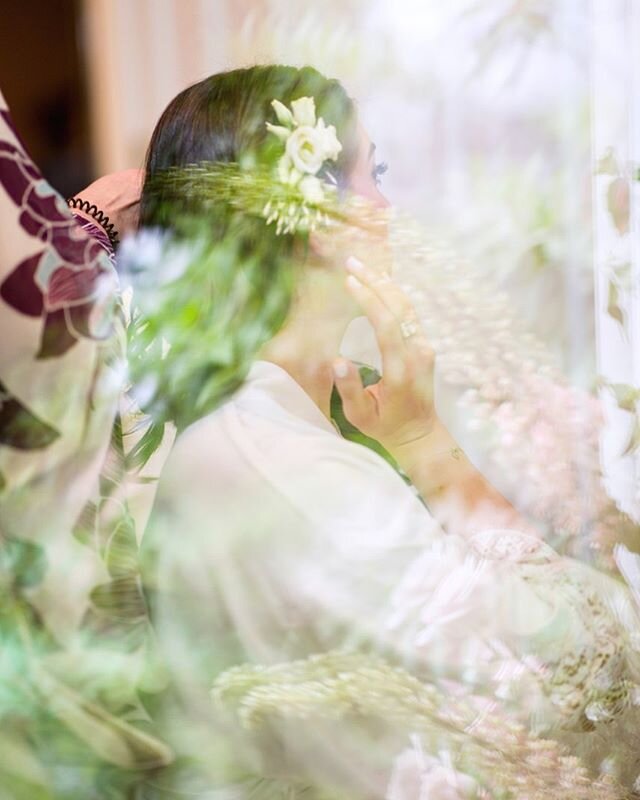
{"x":308,"y":143}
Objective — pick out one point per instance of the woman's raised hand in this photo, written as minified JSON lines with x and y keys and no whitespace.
{"x":399,"y":409}
{"x":118,"y":196}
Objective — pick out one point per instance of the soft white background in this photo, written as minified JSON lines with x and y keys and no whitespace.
{"x":492,"y":115}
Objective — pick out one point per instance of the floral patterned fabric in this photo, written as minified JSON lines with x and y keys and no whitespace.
{"x":64,"y":281}
{"x":69,"y":585}
{"x":60,"y":356}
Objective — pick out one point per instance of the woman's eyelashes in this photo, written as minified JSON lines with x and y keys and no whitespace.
{"x":378,"y":171}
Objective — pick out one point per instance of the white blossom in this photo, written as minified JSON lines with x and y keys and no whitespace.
{"x":287,"y":173}
{"x":308,"y":143}
{"x":305,"y":148}
{"x":282,"y":112}
{"x":330,"y":141}
{"x":311,"y":189}
{"x":304,"y":112}
{"x":280,"y":131}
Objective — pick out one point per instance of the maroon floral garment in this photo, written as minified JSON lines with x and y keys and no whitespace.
{"x":70,"y":283}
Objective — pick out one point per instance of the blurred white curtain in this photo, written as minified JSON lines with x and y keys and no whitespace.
{"x":139,"y":55}
{"x":615,"y":34}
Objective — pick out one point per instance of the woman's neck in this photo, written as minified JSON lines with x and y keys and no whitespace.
{"x":310,"y":340}
{"x":306,"y":348}
{"x":316,"y":379}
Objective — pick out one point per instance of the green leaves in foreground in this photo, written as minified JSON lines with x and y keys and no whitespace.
{"x":202,"y":308}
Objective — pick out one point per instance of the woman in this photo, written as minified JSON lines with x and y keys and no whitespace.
{"x":278,"y":542}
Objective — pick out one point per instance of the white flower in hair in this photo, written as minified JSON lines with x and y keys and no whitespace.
{"x":304,"y":111}
{"x":285,"y":117}
{"x":309,"y":142}
{"x":330,"y":141}
{"x":305,"y":148}
{"x":311,"y":189}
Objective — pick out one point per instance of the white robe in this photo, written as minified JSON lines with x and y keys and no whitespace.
{"x":277,"y":539}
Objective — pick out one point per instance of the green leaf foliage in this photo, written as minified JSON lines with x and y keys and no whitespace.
{"x":618,"y":203}
{"x":192,"y":339}
{"x":613,"y":304}
{"x":626,"y":396}
{"x":608,"y":164}
{"x":633,"y":444}
{"x":19,"y":427}
{"x":22,"y":563}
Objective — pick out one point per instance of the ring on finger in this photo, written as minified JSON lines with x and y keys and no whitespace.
{"x":408,"y":328}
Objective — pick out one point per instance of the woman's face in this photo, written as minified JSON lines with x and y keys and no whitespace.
{"x":364,"y":178}
{"x":367,"y":242}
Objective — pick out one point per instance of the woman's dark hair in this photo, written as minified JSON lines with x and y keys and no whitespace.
{"x":222,"y":119}
{"x":237,"y":291}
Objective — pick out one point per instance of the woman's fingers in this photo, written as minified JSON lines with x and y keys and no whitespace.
{"x":388,"y":292}
{"x":403,"y":330}
{"x":423,"y":359}
{"x":386,"y":329}
{"x":406,"y":390}
{"x":394,"y":300}
{"x":358,"y":405}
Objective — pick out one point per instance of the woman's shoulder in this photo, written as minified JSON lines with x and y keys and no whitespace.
{"x":259,"y":445}
{"x":203,"y":452}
